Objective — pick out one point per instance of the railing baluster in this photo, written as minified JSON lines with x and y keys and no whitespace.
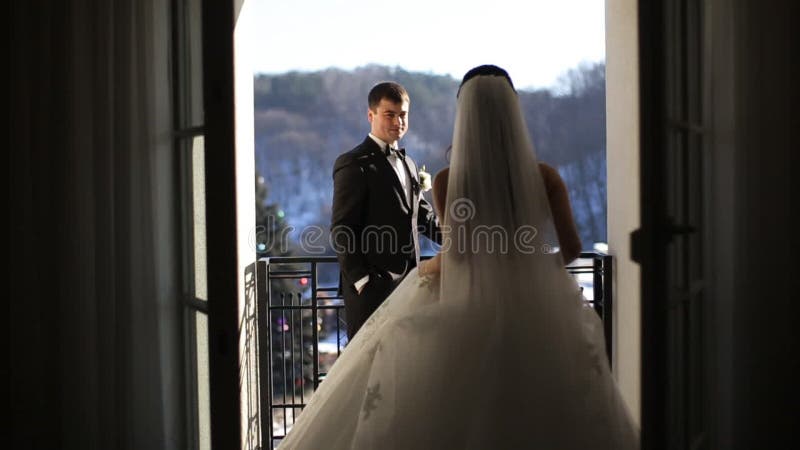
{"x":302,"y":353}
{"x":291,"y":351}
{"x":264,"y":330}
{"x":283,"y":359}
{"x":338,"y":333}
{"x":608,"y":304}
{"x":314,"y":326}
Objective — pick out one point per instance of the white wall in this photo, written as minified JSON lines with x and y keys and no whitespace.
{"x":245,"y":211}
{"x":622,"y":115}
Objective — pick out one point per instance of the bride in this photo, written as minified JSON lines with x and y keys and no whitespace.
{"x":489,"y":344}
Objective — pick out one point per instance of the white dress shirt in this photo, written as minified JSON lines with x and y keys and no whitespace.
{"x":398,"y":166}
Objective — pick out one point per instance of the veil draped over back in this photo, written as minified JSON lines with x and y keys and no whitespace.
{"x":522,"y":327}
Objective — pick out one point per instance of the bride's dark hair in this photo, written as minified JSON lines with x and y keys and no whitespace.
{"x":486,"y":69}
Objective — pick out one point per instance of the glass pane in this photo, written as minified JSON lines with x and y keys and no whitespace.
{"x":203,"y":401}
{"x":199,"y":218}
{"x":195,"y":63}
{"x":190,"y":63}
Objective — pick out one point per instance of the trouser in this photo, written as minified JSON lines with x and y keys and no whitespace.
{"x":358,"y":307}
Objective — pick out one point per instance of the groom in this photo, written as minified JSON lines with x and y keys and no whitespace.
{"x":378,"y":209}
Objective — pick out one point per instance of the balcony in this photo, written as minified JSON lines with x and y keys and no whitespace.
{"x":295,"y":330}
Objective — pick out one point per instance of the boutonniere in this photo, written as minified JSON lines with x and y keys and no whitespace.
{"x":424,"y":180}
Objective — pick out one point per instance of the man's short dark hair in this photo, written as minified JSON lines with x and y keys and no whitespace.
{"x":389,"y":90}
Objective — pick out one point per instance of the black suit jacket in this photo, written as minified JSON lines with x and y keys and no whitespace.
{"x":371,"y":219}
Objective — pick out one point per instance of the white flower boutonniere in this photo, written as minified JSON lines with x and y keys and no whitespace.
{"x":424,"y":180}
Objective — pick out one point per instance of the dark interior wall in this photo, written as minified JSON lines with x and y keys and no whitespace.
{"x":721,"y":215}
{"x":94,"y":313}
{"x":750,"y":239}
{"x":766,"y":230}
{"x":753,"y":233}
{"x":34,"y":394}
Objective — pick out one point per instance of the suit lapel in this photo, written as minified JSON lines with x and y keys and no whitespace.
{"x":386,"y":167}
{"x":412,"y":180}
{"x":412,"y":168}
{"x":414,"y":196}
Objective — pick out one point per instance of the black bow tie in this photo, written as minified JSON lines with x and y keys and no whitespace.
{"x":398,"y":152}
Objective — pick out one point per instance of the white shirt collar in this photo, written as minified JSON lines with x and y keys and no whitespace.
{"x":378,"y":141}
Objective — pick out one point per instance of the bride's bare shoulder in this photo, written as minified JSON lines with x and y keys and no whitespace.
{"x":549,"y":173}
{"x":440,"y":180}
{"x":440,"y":190}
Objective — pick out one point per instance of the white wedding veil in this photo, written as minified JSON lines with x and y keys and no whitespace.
{"x":495,"y":186}
{"x":523,"y":328}
{"x":499,"y":246}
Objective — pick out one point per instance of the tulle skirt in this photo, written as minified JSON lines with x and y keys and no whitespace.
{"x":488,"y":373}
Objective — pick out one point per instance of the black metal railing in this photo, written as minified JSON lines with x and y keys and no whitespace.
{"x":302,"y":330}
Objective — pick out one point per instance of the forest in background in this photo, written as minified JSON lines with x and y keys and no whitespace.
{"x":304,"y":120}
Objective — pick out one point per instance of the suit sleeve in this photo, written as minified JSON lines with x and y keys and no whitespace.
{"x":347,"y":221}
{"x":427,"y":222}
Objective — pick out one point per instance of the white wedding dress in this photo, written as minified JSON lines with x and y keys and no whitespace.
{"x":499,"y":351}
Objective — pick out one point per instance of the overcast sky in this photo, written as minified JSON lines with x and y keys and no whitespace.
{"x":535,"y":40}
